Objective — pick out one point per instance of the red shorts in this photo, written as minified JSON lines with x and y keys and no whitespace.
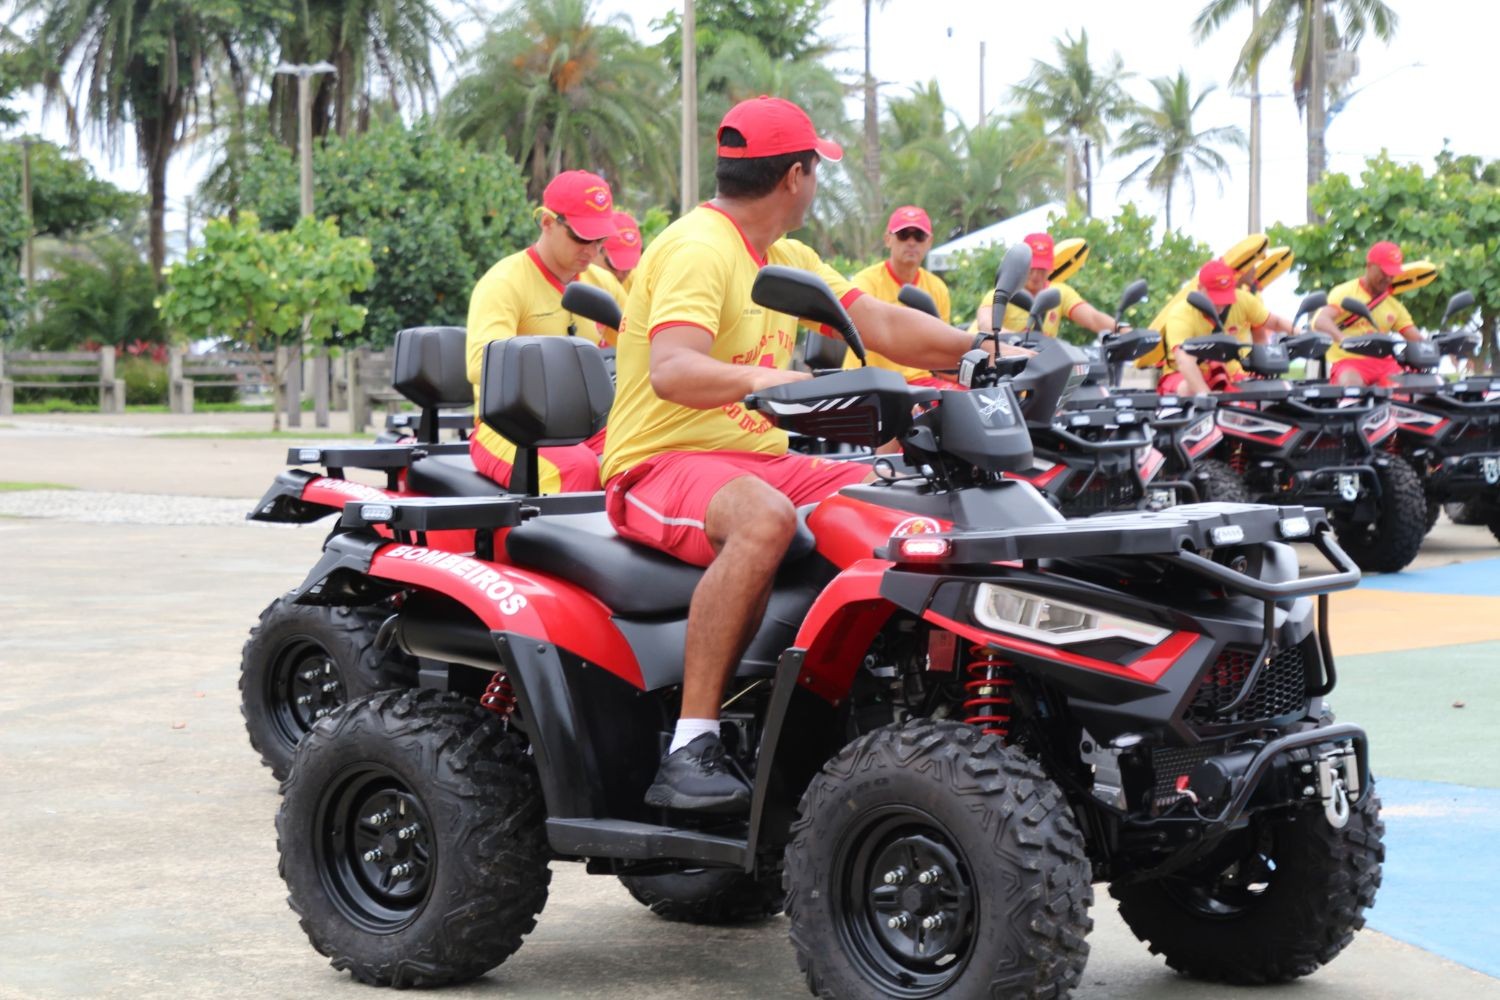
{"x":572,"y":468}
{"x":934,"y":382}
{"x":1374,"y":371}
{"x":663,"y":501}
{"x":1218,"y":377}
{"x":595,"y":444}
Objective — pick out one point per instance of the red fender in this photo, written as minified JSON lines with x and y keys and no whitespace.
{"x":850,"y":530}
{"x":335,"y":493}
{"x":511,"y":600}
{"x":839,"y":627}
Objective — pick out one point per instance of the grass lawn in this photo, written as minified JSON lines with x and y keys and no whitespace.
{"x":291,"y":436}
{"x":9,"y":487}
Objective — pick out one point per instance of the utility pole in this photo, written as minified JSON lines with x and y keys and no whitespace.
{"x":304,"y":72}
{"x":30,"y":271}
{"x":1255,"y":129}
{"x":981,"y":82}
{"x":689,"y":108}
{"x":187,"y":227}
{"x":1317,"y":93}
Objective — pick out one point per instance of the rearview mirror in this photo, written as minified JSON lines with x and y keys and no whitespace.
{"x":914,"y":298}
{"x":1134,"y":292}
{"x":1009,"y":276}
{"x":806,"y":296}
{"x":1463,"y":300}
{"x":1021,"y":300}
{"x":1311,"y":303}
{"x":1358,"y":308}
{"x":592,"y":302}
{"x":1047,"y":300}
{"x":1205,"y":305}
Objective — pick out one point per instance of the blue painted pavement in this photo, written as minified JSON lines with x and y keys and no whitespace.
{"x":1441,"y":881}
{"x":1479,"y":578}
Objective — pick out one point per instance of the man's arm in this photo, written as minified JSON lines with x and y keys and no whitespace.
{"x":1085,"y":315}
{"x":683,"y":372}
{"x":1187,"y":365}
{"x":910,"y":336}
{"x":1273,"y":324}
{"x":494,"y":314}
{"x":1324,"y":322}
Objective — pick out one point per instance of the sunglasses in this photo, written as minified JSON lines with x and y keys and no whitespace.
{"x":574,"y":236}
{"x":912,"y":236}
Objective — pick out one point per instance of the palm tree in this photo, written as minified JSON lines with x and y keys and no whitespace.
{"x":1078,"y":101}
{"x":1344,"y":24}
{"x":1165,"y":132}
{"x":148,"y":63}
{"x":366,"y":40}
{"x":559,"y":90}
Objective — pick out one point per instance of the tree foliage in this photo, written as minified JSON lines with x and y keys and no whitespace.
{"x":99,"y":291}
{"x":785,"y":29}
{"x":66,"y":197}
{"x":1450,"y":216}
{"x":1121,"y":250}
{"x":1166,"y":133}
{"x":559,"y":89}
{"x":436,"y":213}
{"x":258,"y":289}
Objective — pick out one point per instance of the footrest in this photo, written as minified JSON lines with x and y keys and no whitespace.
{"x":439,"y":513}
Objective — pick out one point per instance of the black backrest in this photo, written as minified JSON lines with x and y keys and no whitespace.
{"x":429,"y":368}
{"x":544,"y":390}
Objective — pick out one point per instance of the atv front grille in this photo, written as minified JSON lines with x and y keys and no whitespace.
{"x":1281,"y":688}
{"x":1104,"y":493}
{"x":1325,"y":452}
{"x":1171,"y":764}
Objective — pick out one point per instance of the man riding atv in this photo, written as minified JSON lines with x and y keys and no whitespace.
{"x":688,"y":470}
{"x":1382,"y":264}
{"x":1044,"y":265}
{"x":522,"y":296}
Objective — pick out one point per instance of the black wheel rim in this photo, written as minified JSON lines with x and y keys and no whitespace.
{"x":905,"y":902}
{"x":1233,"y":884}
{"x":303,"y":685}
{"x":375,"y":849}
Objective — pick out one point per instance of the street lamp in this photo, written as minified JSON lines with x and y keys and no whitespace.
{"x":304,"y":73}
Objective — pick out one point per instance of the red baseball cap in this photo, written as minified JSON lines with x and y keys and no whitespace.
{"x":909,"y":217}
{"x":624,"y":247}
{"x":584,"y":200}
{"x":1387,"y":257}
{"x":772,"y":126}
{"x":1217,"y":280}
{"x":1041,"y":250}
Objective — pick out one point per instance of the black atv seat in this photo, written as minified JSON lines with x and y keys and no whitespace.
{"x":450,"y":476}
{"x":632,"y":580}
{"x":1417,"y":382}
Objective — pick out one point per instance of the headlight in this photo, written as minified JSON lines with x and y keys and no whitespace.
{"x":1057,"y":623}
{"x":1251,"y":423}
{"x":1199,"y":429}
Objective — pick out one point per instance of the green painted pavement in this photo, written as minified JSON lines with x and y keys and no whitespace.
{"x":1405,"y":701}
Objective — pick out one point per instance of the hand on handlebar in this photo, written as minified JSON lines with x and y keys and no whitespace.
{"x":765,"y":378}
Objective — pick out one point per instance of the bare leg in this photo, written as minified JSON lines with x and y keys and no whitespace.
{"x":750,"y":524}
{"x":1350,"y":376}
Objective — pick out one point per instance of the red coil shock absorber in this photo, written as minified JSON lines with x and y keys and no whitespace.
{"x":499,"y":697}
{"x":1238,"y":459}
{"x":987,"y":691}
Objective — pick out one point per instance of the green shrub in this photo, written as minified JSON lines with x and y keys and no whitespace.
{"x":145,"y":380}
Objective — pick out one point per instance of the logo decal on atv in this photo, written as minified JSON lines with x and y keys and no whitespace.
{"x":1492,"y":470}
{"x":990,"y":405}
{"x":916,"y":526}
{"x":471,"y":571}
{"x":358,"y":491}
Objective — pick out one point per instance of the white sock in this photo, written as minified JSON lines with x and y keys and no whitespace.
{"x":689,"y":730}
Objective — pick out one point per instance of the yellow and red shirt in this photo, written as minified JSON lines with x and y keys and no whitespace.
{"x":879,"y":281}
{"x":1390,"y":315}
{"x":1016,"y":318}
{"x":1248,"y":312}
{"x":698,"y":272}
{"x":1180,"y":322}
{"x":519,"y":297}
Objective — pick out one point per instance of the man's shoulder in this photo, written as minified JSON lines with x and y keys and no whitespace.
{"x":507,"y":267}
{"x":1345,"y":290}
{"x":869,"y":273}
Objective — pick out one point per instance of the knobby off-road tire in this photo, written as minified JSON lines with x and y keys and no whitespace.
{"x":1434,"y":509}
{"x":709,"y":895}
{"x":1391,"y":541}
{"x":1215,"y":927}
{"x":934,"y":819}
{"x":429,"y":780}
{"x":1465,"y":511}
{"x":326,"y":655}
{"x":1218,"y":483}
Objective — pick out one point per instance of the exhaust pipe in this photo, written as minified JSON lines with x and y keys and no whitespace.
{"x":442,"y":630}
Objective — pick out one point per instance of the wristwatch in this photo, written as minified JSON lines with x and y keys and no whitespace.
{"x":980,"y":338}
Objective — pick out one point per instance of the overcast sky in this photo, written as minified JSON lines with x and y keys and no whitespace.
{"x":1409,"y":109}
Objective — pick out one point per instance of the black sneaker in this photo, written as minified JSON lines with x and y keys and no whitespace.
{"x":700,"y":777}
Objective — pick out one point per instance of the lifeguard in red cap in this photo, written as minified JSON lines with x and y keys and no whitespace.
{"x":908,"y":236}
{"x":622,"y":251}
{"x":689,"y":470}
{"x":522,"y":296}
{"x":1180,"y":322}
{"x":1382,"y":263}
{"x":1072,"y":307}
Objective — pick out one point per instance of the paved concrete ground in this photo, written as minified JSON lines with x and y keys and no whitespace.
{"x":139,"y":850}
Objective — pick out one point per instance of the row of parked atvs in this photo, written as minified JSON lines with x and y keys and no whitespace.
{"x":962,"y":709}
